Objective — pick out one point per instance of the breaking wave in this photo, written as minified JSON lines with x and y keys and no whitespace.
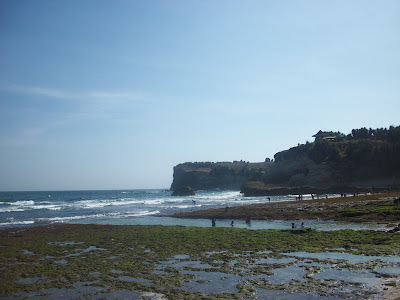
{"x":27,"y":208}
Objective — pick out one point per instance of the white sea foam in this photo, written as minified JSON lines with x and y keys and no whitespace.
{"x":98,"y":203}
{"x":184,"y":206}
{"x":30,"y":205}
{"x":219,"y":195}
{"x":91,"y":204}
{"x":66,"y":219}
{"x":21,"y":203}
{"x":144,"y":213}
{"x":17,"y":223}
{"x":95,"y":216}
{"x":153,"y":202}
{"x":125,"y":202}
{"x":50,"y":207}
{"x":10,"y":209}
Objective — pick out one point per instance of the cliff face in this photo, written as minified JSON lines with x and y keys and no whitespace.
{"x":331,"y":166}
{"x":300,"y":171}
{"x":337,"y":162}
{"x":334,"y":162}
{"x":224,"y":176}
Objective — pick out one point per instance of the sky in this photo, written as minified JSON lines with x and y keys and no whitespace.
{"x":113,"y":94}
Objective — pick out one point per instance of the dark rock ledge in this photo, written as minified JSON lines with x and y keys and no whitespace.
{"x":183,"y":191}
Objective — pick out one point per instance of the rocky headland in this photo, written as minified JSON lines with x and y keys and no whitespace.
{"x":363,"y":161}
{"x":215,"y":176}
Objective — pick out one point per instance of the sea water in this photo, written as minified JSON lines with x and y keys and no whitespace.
{"x":24,"y":208}
{"x":137,"y":207}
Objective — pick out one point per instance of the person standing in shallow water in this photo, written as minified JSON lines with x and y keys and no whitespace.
{"x":248,"y":221}
{"x":213,"y":222}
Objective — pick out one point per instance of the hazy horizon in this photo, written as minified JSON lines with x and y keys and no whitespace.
{"x":100,"y":95}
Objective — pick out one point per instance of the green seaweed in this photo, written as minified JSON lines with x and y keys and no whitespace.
{"x":137,"y":250}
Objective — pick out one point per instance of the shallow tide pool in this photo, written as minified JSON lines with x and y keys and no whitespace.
{"x":323,"y":225}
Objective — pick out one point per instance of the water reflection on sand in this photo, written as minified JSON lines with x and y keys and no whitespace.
{"x":324,"y":225}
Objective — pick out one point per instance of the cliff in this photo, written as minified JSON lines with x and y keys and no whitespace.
{"x":361,"y":161}
{"x":333,"y":163}
{"x":222,"y":175}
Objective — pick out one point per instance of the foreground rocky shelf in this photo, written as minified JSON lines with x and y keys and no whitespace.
{"x":130,"y":262}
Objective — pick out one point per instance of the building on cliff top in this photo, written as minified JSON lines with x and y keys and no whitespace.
{"x":323,"y":135}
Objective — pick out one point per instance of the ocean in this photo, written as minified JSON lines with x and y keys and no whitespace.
{"x":114,"y":206}
{"x":134,"y":207}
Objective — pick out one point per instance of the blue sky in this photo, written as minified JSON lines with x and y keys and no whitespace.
{"x":113,"y":94}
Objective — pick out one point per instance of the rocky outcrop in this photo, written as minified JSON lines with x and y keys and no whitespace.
{"x":331,"y":167}
{"x":258,"y":188}
{"x":209,"y":176}
{"x":183,"y":191}
{"x":334,"y":162}
{"x":301,"y":171}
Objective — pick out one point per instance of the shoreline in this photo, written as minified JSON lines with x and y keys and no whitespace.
{"x":256,"y":188}
{"x":363,"y":208}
